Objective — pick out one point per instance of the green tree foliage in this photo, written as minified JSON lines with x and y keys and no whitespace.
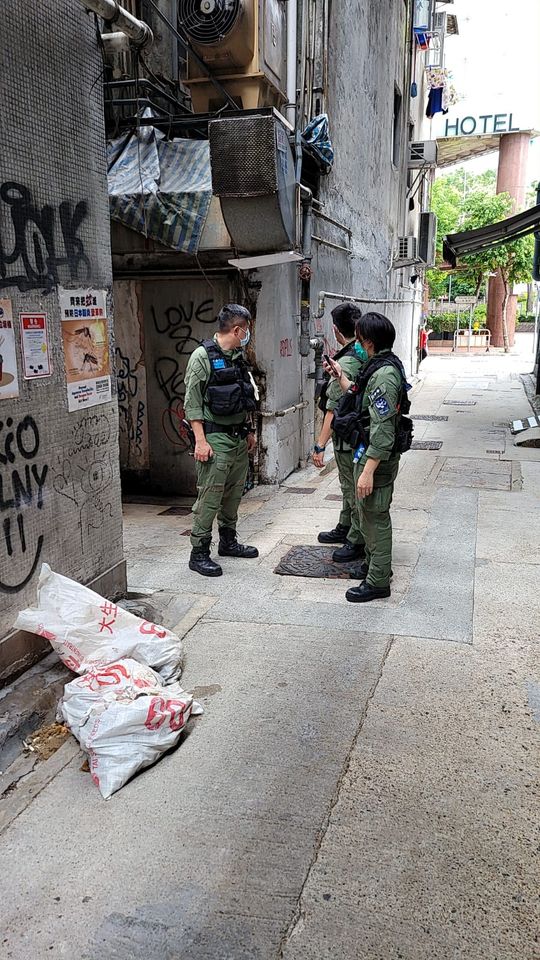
{"x":464,"y":201}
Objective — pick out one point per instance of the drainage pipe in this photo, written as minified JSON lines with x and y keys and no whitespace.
{"x":292,"y":32}
{"x":138,"y":32}
{"x":305,"y":275}
{"x":116,"y":42}
{"x":326,"y":295}
{"x":283,"y":413}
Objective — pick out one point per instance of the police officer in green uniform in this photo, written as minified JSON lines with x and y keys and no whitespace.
{"x":220,"y":396}
{"x":377,"y":400}
{"x":347,"y":530}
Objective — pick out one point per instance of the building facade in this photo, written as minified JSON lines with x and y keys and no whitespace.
{"x":366,"y":73}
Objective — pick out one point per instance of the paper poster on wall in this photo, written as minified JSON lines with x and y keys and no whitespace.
{"x":82,"y":304}
{"x":86,"y":347}
{"x":9,"y":381}
{"x":35,"y":345}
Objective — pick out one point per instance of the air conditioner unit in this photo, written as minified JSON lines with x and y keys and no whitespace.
{"x":243,"y":43}
{"x":422,"y":153}
{"x":406,"y":249}
{"x":427,"y":240}
{"x":255,"y":181}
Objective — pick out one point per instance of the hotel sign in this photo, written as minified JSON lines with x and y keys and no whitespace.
{"x":485,"y":123}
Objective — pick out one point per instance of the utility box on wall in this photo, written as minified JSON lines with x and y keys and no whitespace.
{"x":253,"y":174}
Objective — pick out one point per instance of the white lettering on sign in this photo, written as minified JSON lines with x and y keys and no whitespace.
{"x":486,"y":123}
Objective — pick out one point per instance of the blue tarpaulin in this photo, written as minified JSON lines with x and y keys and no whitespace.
{"x":161,"y":188}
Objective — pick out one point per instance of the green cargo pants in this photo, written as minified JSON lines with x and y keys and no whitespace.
{"x":349,"y":516}
{"x":220,"y":485}
{"x":376,"y":527}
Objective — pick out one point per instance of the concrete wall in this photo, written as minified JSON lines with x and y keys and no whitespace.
{"x":368,"y":64}
{"x":56,"y":232}
{"x":159,"y":324}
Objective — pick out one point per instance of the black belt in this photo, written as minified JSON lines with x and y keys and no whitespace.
{"x":239,"y":431}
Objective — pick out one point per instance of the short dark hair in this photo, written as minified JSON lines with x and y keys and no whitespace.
{"x":230,"y":315}
{"x":380,"y":330}
{"x":344,"y":318}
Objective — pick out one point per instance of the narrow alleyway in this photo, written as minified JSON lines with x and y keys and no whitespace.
{"x":363,"y":783}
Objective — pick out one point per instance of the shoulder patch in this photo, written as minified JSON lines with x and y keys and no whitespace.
{"x":376,"y":393}
{"x":381,"y":406}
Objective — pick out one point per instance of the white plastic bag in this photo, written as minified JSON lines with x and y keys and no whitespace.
{"x":86,"y":630}
{"x":124,"y":679}
{"x":125,"y":719}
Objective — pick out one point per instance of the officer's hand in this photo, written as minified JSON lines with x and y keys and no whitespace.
{"x":333,"y":368}
{"x":251,"y":442}
{"x":318,"y":459}
{"x":364,"y":487}
{"x":203,"y":451}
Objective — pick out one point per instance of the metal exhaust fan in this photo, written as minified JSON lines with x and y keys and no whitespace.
{"x":208,"y":22}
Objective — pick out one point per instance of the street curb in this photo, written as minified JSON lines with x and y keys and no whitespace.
{"x":27,"y":703}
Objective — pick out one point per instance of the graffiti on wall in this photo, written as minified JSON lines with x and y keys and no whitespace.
{"x":22,"y":483}
{"x":30,"y":256}
{"x":131,"y":411}
{"x":83,"y":474}
{"x":177,"y":343}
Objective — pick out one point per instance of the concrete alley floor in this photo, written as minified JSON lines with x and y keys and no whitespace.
{"x":364,"y":782}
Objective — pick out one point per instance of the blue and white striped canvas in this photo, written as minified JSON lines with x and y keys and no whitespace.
{"x":161,"y":188}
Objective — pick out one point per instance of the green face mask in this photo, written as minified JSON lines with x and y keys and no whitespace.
{"x":360,"y":352}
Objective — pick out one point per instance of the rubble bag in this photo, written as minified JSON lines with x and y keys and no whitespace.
{"x":87,"y":630}
{"x":124,"y":719}
{"x":124,"y":679}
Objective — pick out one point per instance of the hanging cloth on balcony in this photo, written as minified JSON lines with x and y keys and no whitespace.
{"x":160,"y":188}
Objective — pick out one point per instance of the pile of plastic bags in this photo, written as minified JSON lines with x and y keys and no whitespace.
{"x":126,"y":708}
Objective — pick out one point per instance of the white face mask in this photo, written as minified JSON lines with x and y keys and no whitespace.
{"x":245,"y":340}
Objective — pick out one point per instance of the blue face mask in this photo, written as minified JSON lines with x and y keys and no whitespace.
{"x":360,"y":352}
{"x":245,"y":340}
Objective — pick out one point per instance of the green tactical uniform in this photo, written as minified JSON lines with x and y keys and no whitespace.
{"x":381,"y":398}
{"x":221,"y":480}
{"x":349,"y":516}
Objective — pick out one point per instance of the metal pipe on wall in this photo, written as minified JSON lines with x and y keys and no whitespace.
{"x":292,"y":33}
{"x":138,"y":32}
{"x":305,"y":276}
{"x":326,"y":295}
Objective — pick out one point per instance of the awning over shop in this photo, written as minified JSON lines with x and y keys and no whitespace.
{"x":161,"y":188}
{"x":458,"y":244}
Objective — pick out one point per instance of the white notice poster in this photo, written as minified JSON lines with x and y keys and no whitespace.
{"x":35,"y":345}
{"x":85,"y":336}
{"x":9,"y":381}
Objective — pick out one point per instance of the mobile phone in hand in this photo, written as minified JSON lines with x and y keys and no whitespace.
{"x":329,"y":361}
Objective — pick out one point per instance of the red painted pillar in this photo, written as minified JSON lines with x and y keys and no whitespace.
{"x":512,"y":179}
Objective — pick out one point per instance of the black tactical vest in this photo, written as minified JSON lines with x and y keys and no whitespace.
{"x":229,"y":390}
{"x":346,"y":351}
{"x":352,"y":424}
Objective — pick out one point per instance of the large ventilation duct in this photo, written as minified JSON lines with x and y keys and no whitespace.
{"x":253,"y":174}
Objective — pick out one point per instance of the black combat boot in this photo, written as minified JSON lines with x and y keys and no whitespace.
{"x":229,"y":546}
{"x":201,"y":562}
{"x":337,"y":535}
{"x":365,"y":592}
{"x":349,"y":552}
